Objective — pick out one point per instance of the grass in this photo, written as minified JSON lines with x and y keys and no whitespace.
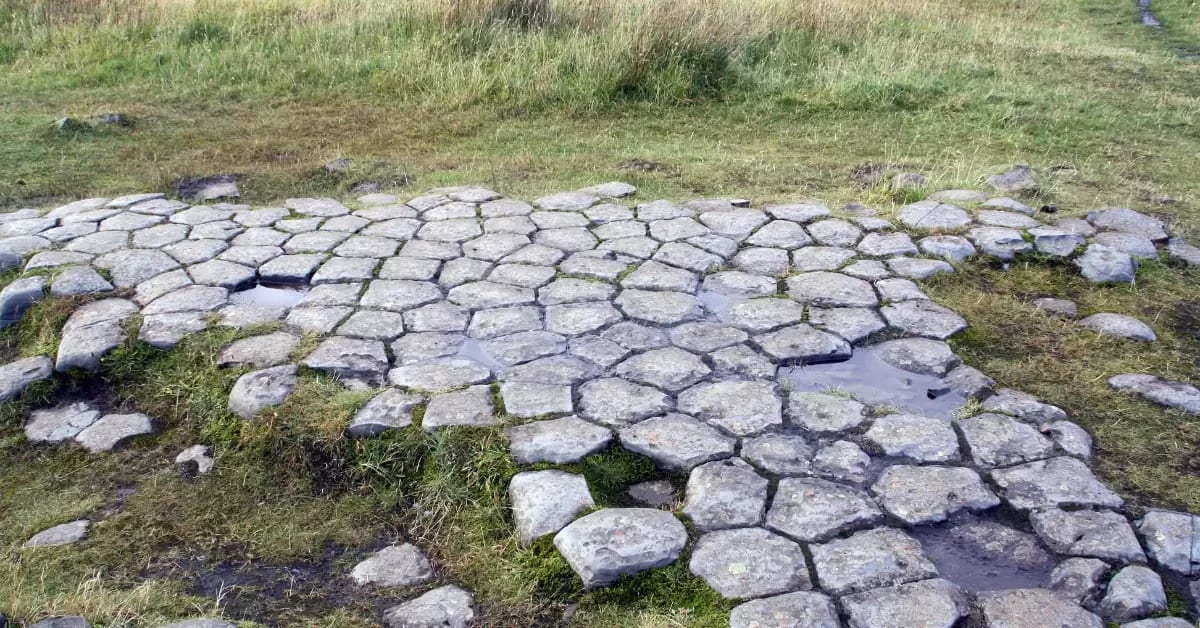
{"x":764,"y":99}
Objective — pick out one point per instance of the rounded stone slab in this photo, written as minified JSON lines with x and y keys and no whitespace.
{"x":615,"y":402}
{"x":530,"y":399}
{"x":870,"y":559}
{"x":261,"y":389}
{"x":677,"y":441}
{"x":443,"y":607}
{"x":661,"y":308}
{"x":389,"y":410}
{"x":16,"y":376}
{"x":829,"y":289}
{"x":610,"y":543}
{"x":470,"y":407}
{"x":917,"y":438}
{"x":1058,"y":481}
{"x":741,"y":408}
{"x":749,"y":563}
{"x":1023,"y":406}
{"x":919,"y":495}
{"x":1000,"y":441}
{"x":439,"y":374}
{"x":112,"y":431}
{"x":128,"y":268}
{"x":802,"y":344}
{"x":1164,"y":392}
{"x":258,"y":351}
{"x":933,"y":215}
{"x":725,"y":494}
{"x":352,"y":359}
{"x":1172,"y":540}
{"x":764,"y":314}
{"x":544,"y":502}
{"x":1100,"y":264}
{"x":887,"y":245}
{"x":670,"y":369}
{"x":1135,"y":592}
{"x":933,"y":603}
{"x":1096,"y":534}
{"x":78,"y":280}
{"x":395,"y":566}
{"x":790,"y":610}
{"x":948,"y":247}
{"x":924,"y":318}
{"x":810,"y":509}
{"x":62,"y":534}
{"x":818,"y":412}
{"x":557,"y":441}
{"x":853,"y":324}
{"x":1120,"y":326}
{"x":779,"y":454}
{"x":1033,"y":608}
{"x":918,"y":355}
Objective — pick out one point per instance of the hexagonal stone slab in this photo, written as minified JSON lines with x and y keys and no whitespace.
{"x":996,"y":440}
{"x":677,"y":441}
{"x":615,"y":402}
{"x":918,"y":495}
{"x":725,"y":494}
{"x":870,"y":559}
{"x":924,"y":318}
{"x":819,"y":412}
{"x":389,"y":410}
{"x":749,"y":562}
{"x":558,"y":441}
{"x":829,"y":289}
{"x":261,"y":389}
{"x":544,"y":502}
{"x":918,"y":355}
{"x":610,"y":543}
{"x":790,"y":610}
{"x":1014,"y":608}
{"x":779,"y":454}
{"x":741,"y":408}
{"x":933,"y":603}
{"x":530,"y":399}
{"x":470,"y":407}
{"x":439,"y":373}
{"x":1058,"y":481}
{"x":661,"y":308}
{"x":1098,"y":534}
{"x":670,"y":369}
{"x":810,"y":509}
{"x":802,"y":344}
{"x":351,"y":359}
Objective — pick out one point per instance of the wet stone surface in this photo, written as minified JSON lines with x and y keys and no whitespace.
{"x":783,"y":368}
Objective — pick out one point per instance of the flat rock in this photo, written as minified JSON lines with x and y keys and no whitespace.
{"x":803,"y":344}
{"x":113,"y":431}
{"x":828,"y":289}
{"x":470,"y":407}
{"x":742,"y":408}
{"x":842,"y":461}
{"x":870,"y":559}
{"x":995,"y":440}
{"x":877,"y":244}
{"x":530,"y":399}
{"x":1100,"y":264}
{"x":1095,"y":534}
{"x":813,"y":510}
{"x":394,"y":566}
{"x":1033,"y":608}
{"x":924,"y":318}
{"x":78,"y":280}
{"x":933,"y":603}
{"x":1078,"y":579}
{"x":389,"y":410}
{"x":1023,"y":406}
{"x":1172,"y":540}
{"x":259,"y":351}
{"x":790,"y":610}
{"x":779,"y":454}
{"x":819,"y":412}
{"x":91,"y":332}
{"x":1058,"y":307}
{"x":920,"y":495}
{"x":16,"y":376}
{"x":557,"y":441}
{"x":933,"y":215}
{"x":261,"y":389}
{"x":1128,"y":220}
{"x":350,"y":359}
{"x":544,"y":502}
{"x":916,"y":438}
{"x":610,"y":543}
{"x":60,"y":423}
{"x":1120,"y":326}
{"x":19,"y":296}
{"x":660,"y":308}
{"x":1164,"y":392}
{"x":1135,"y":592}
{"x":749,"y":562}
{"x":763,"y":315}
{"x":677,"y":441}
{"x":1058,"y":481}
{"x":443,"y":607}
{"x":62,"y":534}
{"x":616,"y":402}
{"x":198,"y":455}
{"x":918,"y":355}
{"x":725,"y":494}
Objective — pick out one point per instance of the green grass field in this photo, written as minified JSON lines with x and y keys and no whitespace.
{"x":766,"y":99}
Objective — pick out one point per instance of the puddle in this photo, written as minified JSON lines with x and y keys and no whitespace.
{"x":276,"y":296}
{"x":715,"y":302}
{"x":875,"y":382}
{"x":474,"y":350}
{"x":982,"y":553}
{"x":1147,"y":15}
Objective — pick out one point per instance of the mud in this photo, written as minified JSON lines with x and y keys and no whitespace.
{"x":986,"y":553}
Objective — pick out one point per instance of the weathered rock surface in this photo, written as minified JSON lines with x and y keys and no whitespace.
{"x":610,"y":543}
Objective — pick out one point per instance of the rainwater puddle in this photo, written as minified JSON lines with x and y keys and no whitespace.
{"x":715,"y":302}
{"x":985,"y":554}
{"x":473,"y":349}
{"x":877,"y":383}
{"x":277,"y":296}
{"x":1147,"y":15}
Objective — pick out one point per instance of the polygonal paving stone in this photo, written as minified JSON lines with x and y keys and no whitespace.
{"x":782,"y":234}
{"x":867,"y":269}
{"x":569,"y":239}
{"x":725,"y":494}
{"x":524,"y":346}
{"x":130,"y":267}
{"x":918,"y":355}
{"x":802,"y":344}
{"x":395,"y":566}
{"x":261,"y":389}
{"x":610,"y":543}
{"x":818,"y":412}
{"x":290,"y":269}
{"x":557,"y":441}
{"x":350,"y":359}
{"x":706,"y":337}
{"x":919,"y":495}
{"x":438,"y":316}
{"x":484,"y":294}
{"x":258,"y":351}
{"x":1014,"y":608}
{"x":1172,"y":540}
{"x":851,"y":323}
{"x":670,"y":369}
{"x":677,"y":441}
{"x":700,"y":254}
{"x":597,"y":350}
{"x":999,"y":441}
{"x":399,"y":295}
{"x":889,"y":245}
{"x":742,"y":408}
{"x":1128,"y":220}
{"x":530,"y":399}
{"x":735,"y":223}
{"x":835,"y":232}
{"x":740,"y":285}
{"x":809,"y":509}
{"x":829,"y":289}
{"x":636,"y":337}
{"x":617,"y":402}
{"x":60,"y":423}
{"x":568,"y":290}
{"x":470,"y":407}
{"x":749,"y":562}
{"x":373,"y":325}
{"x":763,"y":315}
{"x":814,"y":258}
{"x":662,"y":308}
{"x":317,"y":320}
{"x":1058,"y":481}
{"x":343,"y":269}
{"x":524,"y":275}
{"x":573,"y":319}
{"x":1023,"y":406}
{"x":916,"y":438}
{"x":779,"y":454}
{"x":762,"y":261}
{"x":743,"y":362}
{"x":790,"y":610}
{"x":544,"y":502}
{"x":924,"y":318}
{"x":932,"y":215}
{"x":1096,"y":534}
{"x":443,"y":607}
{"x":439,"y":373}
{"x":1134,"y":593}
{"x":842,"y":461}
{"x":655,"y":276}
{"x":931,"y":603}
{"x":870,"y":559}
{"x":389,"y":410}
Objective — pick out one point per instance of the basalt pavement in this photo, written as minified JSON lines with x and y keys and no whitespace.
{"x":782,"y":363}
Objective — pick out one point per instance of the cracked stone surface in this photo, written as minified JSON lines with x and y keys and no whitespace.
{"x":585,"y":322}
